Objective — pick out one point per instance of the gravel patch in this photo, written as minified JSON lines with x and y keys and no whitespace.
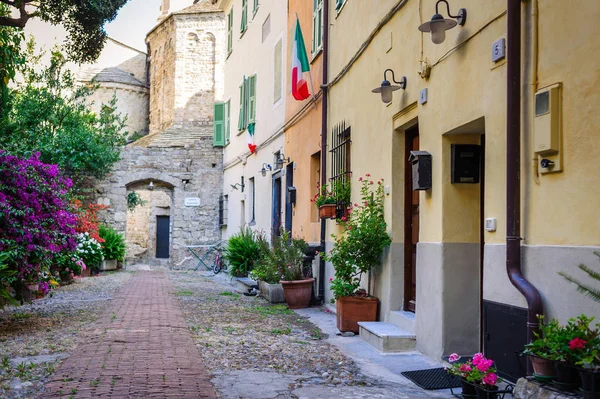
{"x":36,"y":337}
{"x":236,"y":332}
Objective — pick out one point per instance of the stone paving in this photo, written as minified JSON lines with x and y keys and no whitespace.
{"x":140,"y":348}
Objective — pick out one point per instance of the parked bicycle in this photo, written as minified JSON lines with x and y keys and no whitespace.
{"x":209,"y":256}
{"x":219,"y":264}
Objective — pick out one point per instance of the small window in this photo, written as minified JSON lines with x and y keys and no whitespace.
{"x":244,"y":22}
{"x":252,"y":200}
{"x":227,"y":121}
{"x":255,"y":8}
{"x":223,"y":209}
{"x":315,"y":181}
{"x":317,"y":26}
{"x":230,"y":32}
{"x":251,"y":112}
{"x":277,"y":72}
{"x":339,"y":4}
{"x":242,"y":114}
{"x":266,"y":28}
{"x":340,"y":164}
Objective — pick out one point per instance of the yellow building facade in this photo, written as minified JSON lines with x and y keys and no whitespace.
{"x":444,"y":276}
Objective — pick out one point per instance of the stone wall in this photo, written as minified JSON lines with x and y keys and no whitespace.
{"x":193,"y":171}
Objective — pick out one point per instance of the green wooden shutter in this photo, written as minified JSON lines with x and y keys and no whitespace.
{"x":242,"y":116}
{"x":252,"y":99}
{"x":219,"y":124}
{"x":244,"y":16}
{"x":314,"y":26}
{"x":227,"y":121}
{"x":255,"y":10}
{"x":230,"y":32}
{"x":339,"y":4}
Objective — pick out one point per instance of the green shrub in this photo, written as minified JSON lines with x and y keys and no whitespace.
{"x":242,"y":252}
{"x":7,"y":276}
{"x":284,"y":261}
{"x":114,"y":243}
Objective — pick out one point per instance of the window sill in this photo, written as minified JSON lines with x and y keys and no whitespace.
{"x":338,"y":12}
{"x":316,"y":55}
{"x":243,"y":32}
{"x":240,"y":132}
{"x":228,"y":54}
{"x":254,"y":13}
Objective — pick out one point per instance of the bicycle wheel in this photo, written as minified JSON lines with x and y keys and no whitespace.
{"x":218,"y":265}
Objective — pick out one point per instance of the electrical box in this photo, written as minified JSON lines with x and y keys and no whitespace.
{"x":421,"y":170}
{"x":291,"y":195}
{"x":466,"y":163}
{"x":547,"y":121}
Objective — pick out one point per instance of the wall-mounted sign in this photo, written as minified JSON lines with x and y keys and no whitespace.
{"x":192,"y":201}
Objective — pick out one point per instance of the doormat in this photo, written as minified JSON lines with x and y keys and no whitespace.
{"x":431,"y":379}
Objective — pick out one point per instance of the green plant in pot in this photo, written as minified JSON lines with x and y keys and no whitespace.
{"x":242,"y":252}
{"x":286,"y":260}
{"x":113,"y":247}
{"x":540,"y":352}
{"x":584,"y":352}
{"x":355,"y":252}
{"x":326,"y":202}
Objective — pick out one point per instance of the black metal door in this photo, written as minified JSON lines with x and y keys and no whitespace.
{"x":289,"y":182}
{"x":162,"y":237}
{"x":505,"y":334}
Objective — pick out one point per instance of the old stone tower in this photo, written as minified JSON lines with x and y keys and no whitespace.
{"x":175,"y":169}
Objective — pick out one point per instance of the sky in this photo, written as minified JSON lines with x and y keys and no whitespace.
{"x":134,"y":21}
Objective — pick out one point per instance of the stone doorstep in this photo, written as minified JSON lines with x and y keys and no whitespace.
{"x":404,"y":320}
{"x":526,"y":389}
{"x":387,"y":337}
{"x":244,"y":284}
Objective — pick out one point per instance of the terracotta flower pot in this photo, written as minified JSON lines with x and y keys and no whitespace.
{"x":297,"y":293}
{"x":86,"y":272}
{"x":327,"y":211}
{"x":352,"y":309}
{"x":542,"y":367}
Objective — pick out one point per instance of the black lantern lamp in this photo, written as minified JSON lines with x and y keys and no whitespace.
{"x":265,"y":167}
{"x":387,"y":88}
{"x":280,"y":160}
{"x":439,"y":25}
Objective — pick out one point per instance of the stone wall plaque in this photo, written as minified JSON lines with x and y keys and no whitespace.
{"x":192,"y":201}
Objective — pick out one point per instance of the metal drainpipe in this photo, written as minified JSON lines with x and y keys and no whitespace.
{"x":513,"y":164}
{"x":324,"y":142}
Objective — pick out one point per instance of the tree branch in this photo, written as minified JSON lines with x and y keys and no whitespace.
{"x":16,"y":22}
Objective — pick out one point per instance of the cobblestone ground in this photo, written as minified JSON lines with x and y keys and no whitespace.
{"x":139,"y":348}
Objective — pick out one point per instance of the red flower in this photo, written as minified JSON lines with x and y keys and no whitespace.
{"x":360,"y":178}
{"x":368,"y":175}
{"x":330,"y":279}
{"x":577,"y":343}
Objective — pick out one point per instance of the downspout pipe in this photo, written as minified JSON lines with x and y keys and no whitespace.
{"x":535,"y":306}
{"x":324,"y":103}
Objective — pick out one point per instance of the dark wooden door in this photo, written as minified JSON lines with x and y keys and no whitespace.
{"x":162,"y":237}
{"x":276,"y":212}
{"x":289,"y":182}
{"x":411,"y":224}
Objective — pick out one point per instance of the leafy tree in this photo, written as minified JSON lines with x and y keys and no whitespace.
{"x":11,"y":57}
{"x":47,"y":113}
{"x":83,"y":20}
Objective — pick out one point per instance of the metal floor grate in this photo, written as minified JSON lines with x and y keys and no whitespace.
{"x":431,"y":379}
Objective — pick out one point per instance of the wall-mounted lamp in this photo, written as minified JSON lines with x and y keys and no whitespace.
{"x":439,"y":25}
{"x":265,"y":167}
{"x":387,"y":88}
{"x":240,"y":185}
{"x":279,"y":161}
{"x":151,"y":185}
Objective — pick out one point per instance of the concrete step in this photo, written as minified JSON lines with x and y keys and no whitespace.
{"x":244,"y":284}
{"x":387,"y":337}
{"x":404,"y":320}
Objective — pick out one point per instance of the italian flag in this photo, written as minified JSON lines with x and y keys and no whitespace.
{"x":251,"y":144}
{"x":299,"y":66}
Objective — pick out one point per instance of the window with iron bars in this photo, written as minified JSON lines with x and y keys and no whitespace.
{"x":341,"y":172}
{"x":223,"y":205}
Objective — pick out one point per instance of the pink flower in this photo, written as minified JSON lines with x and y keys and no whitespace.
{"x":453,"y":357}
{"x":465,"y":367}
{"x":344,"y":218}
{"x":484,"y":364}
{"x":316,"y":253}
{"x":368,"y":175}
{"x":490,"y":379}
{"x":360,"y":178}
{"x":330,"y":278}
{"x":477,"y":357}
{"x":577,"y":343}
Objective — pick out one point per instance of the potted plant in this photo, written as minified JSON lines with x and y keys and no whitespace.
{"x":584,"y":352}
{"x":90,"y":252}
{"x":325,"y":202}
{"x":354,"y":253}
{"x":113,"y":247}
{"x":287,"y":257}
{"x":478,"y":376}
{"x":266,"y":272}
{"x":539,"y":351}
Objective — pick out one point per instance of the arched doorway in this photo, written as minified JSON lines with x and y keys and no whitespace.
{"x":148,"y":225}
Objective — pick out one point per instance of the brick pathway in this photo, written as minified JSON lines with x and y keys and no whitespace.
{"x":139,"y":348}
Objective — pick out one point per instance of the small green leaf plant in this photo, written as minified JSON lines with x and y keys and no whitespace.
{"x":586,"y":289}
{"x":113,"y":246}
{"x":134,"y":200}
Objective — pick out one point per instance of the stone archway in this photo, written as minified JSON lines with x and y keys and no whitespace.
{"x":141,"y":224}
